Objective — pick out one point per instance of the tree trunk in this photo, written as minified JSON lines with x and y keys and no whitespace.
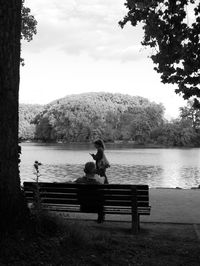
{"x":10,"y":192}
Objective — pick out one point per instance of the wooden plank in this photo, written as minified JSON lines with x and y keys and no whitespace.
{"x":59,"y":201}
{"x":108,"y":189}
{"x":107,"y":210}
{"x":120,"y":191}
{"x":125,"y":197}
{"x":58,"y":195}
{"x":116,"y":192}
{"x":74,"y":185}
{"x":52,"y":200}
{"x":126,"y":211}
{"x":51,"y":189}
{"x":87,"y":193}
{"x":113,"y":197}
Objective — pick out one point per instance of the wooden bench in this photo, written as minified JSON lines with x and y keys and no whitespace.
{"x":69,"y":197}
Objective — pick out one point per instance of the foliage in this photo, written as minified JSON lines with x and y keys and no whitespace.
{"x":184,"y":131}
{"x":28,"y":25}
{"x":174,"y":133}
{"x":168,"y":29}
{"x":111,"y":117}
{"x":88,"y":116}
{"x":191,"y":114}
{"x":27,"y":113}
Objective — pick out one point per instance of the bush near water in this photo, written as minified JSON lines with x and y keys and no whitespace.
{"x":112,"y":117}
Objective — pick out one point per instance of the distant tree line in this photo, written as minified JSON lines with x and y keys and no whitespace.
{"x":112,"y":117}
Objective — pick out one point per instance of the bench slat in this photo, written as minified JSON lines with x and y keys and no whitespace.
{"x":74,"y":185}
{"x":44,"y":195}
{"x":107,"y":209}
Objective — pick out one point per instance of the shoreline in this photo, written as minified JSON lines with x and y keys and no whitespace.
{"x":178,"y":188}
{"x":126,"y":144}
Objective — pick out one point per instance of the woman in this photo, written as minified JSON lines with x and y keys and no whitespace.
{"x":100,"y":158}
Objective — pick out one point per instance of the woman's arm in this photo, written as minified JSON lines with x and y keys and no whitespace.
{"x":98,"y":156}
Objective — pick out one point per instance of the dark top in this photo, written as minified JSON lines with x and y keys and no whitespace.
{"x":98,"y":156}
{"x":90,"y":200}
{"x":86,"y":180}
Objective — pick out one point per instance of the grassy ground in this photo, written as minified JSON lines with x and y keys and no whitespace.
{"x":87,"y":243}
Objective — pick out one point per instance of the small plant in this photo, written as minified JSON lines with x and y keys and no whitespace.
{"x":37,"y":199}
{"x":43,"y":222}
{"x":37,"y":206}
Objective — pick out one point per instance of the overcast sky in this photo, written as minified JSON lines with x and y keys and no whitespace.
{"x":80,"y":48}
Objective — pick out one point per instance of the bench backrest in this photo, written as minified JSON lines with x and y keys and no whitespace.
{"x":76,"y":194}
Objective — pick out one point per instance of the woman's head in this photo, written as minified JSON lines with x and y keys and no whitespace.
{"x":99,"y":144}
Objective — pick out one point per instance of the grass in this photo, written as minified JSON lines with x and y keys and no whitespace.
{"x":86,"y":243}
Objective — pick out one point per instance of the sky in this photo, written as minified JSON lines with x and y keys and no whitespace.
{"x":81,"y":48}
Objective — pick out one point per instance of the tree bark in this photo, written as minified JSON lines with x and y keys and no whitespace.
{"x":10,"y":192}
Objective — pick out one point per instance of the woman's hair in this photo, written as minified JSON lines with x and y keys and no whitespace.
{"x":100,"y":143}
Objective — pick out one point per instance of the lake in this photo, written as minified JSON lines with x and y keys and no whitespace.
{"x":166,"y":167}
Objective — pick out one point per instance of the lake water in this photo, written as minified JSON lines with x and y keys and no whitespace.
{"x":155,"y":167}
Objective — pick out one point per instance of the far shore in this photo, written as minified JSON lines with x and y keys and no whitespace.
{"x":120,"y":143}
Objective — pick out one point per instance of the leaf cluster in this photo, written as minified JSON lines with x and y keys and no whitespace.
{"x":28,"y":26}
{"x":173,"y":38}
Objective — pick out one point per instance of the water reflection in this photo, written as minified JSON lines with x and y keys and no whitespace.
{"x":154,"y":176}
{"x":155,"y":167}
{"x":187,"y":174}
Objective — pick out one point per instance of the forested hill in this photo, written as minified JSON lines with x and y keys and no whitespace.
{"x":84,"y":117}
{"x":27,"y":113}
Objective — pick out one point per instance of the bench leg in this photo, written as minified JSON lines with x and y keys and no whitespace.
{"x":135,"y":215}
{"x":135,"y":223}
{"x":138,"y":222}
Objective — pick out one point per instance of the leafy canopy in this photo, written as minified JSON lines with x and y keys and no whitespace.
{"x":88,"y":116}
{"x":174,"y":37}
{"x":192,"y":114}
{"x":28,"y":26}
